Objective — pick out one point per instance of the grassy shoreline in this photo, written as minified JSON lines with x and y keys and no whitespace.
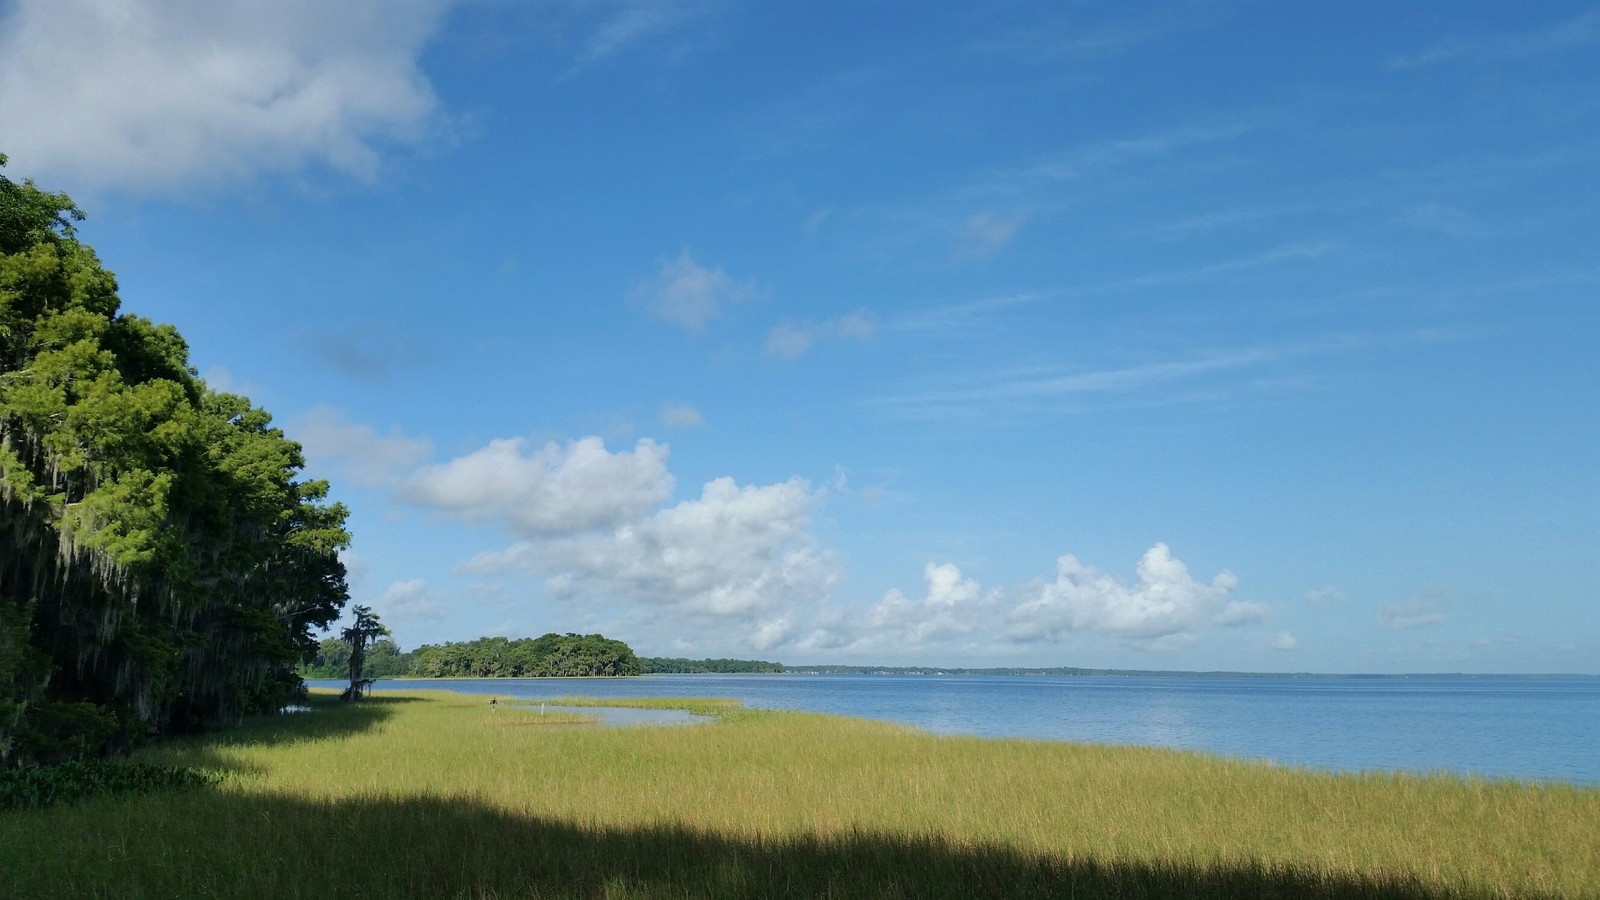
{"x":430,"y":793}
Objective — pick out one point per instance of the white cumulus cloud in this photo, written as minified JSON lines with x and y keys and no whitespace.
{"x":953,"y":606}
{"x":1284,"y":640}
{"x":411,"y":601}
{"x":1243,"y":612}
{"x":737,"y":566}
{"x":1165,"y":602}
{"x":163,"y":95}
{"x":739,"y":555}
{"x":554,"y":489}
{"x":688,"y":294}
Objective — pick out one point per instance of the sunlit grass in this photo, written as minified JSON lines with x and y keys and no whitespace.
{"x":436,"y":794}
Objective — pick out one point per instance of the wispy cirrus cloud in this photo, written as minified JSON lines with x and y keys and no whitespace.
{"x":679,"y":415}
{"x":985,"y":233}
{"x":1442,"y":218}
{"x":1579,"y":31}
{"x":1077,"y":40}
{"x":688,"y":294}
{"x":792,"y":340}
{"x":1054,"y":389}
{"x":1206,"y":375}
{"x":1192,"y":225}
{"x":1286,"y":253}
{"x":1413,"y":613}
{"x":355,"y":450}
{"x":963,"y":317}
{"x":627,"y":22}
{"x":1329,"y":594}
{"x":979,"y":216}
{"x":1096,"y":157}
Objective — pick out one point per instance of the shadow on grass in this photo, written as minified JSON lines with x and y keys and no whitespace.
{"x":328,"y":718}
{"x":432,"y":847}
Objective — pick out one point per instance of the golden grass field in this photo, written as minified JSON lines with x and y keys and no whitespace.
{"x":435,"y":794}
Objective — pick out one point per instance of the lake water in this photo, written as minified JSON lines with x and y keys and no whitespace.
{"x":1498,"y":726}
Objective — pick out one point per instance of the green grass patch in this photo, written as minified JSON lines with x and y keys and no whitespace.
{"x":433,"y":794}
{"x":40,"y":786}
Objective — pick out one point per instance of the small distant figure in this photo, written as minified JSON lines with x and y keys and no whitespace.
{"x":492,"y":706}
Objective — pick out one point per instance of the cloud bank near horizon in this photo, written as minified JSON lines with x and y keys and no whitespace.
{"x":739,"y":568}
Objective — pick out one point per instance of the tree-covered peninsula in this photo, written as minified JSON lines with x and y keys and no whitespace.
{"x":553,"y":655}
{"x":499,"y":657}
{"x":162,"y":561}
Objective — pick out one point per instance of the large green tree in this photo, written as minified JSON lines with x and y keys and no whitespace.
{"x":162,"y":562}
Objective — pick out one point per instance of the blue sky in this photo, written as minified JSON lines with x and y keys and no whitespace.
{"x":1195,"y":336}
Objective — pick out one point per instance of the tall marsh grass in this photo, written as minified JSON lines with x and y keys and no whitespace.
{"x":439,"y":795}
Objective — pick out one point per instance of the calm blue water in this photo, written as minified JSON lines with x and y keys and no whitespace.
{"x":1513,"y":727}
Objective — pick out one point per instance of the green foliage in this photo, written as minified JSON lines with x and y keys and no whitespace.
{"x":328,"y":660}
{"x":24,"y":671}
{"x":332,"y":660}
{"x":553,"y":654}
{"x":161,"y":564}
{"x":39,"y":786}
{"x":384,"y":660}
{"x":362,"y":632}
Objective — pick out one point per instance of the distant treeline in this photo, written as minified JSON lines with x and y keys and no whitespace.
{"x":1022,"y":670}
{"x":498,"y":657}
{"x":332,"y":660}
{"x":676,"y":665}
{"x":553,"y":655}
{"x":593,"y":654}
{"x":942,"y":670}
{"x":571,"y":654}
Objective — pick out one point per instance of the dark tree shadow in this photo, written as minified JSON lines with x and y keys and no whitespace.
{"x":435,"y":847}
{"x":328,"y":717}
